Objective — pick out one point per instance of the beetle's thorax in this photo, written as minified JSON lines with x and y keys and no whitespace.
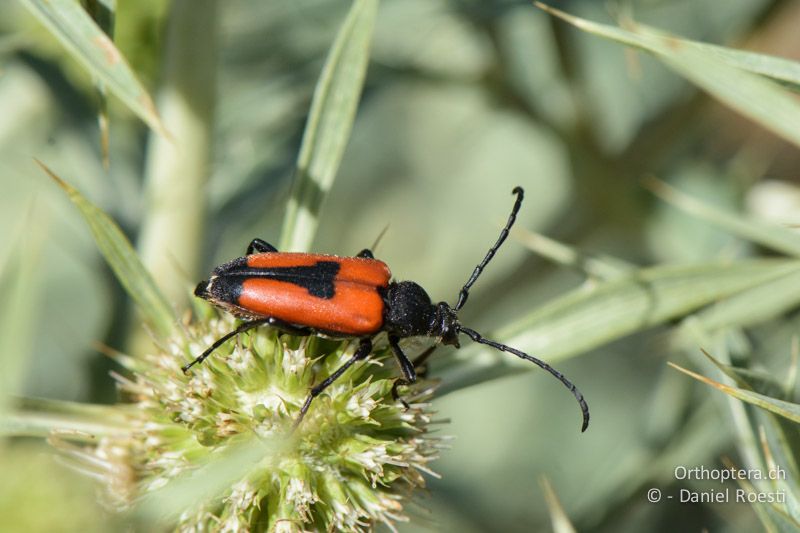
{"x":409,"y":312}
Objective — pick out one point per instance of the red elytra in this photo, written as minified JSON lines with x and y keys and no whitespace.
{"x":356,"y":307}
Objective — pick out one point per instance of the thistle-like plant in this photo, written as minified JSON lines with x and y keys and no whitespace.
{"x":351,"y":463}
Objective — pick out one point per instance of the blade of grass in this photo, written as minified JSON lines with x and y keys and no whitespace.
{"x":778,"y":439}
{"x":19,"y":308}
{"x":85,"y":41}
{"x":600,"y":266}
{"x":753,"y":305}
{"x":744,"y":378}
{"x":787,"y":484}
{"x":103,"y":13}
{"x":330,"y":121}
{"x":785,"y":409}
{"x":772,"y":517}
{"x":122,"y":258}
{"x":762,"y":101}
{"x":38,"y":417}
{"x":586,"y":318}
{"x":791,"y":376}
{"x":750,"y":94}
{"x":745,"y":422}
{"x":559,"y":519}
{"x":766,"y":385}
{"x":783,"y":71}
{"x":763,"y":233}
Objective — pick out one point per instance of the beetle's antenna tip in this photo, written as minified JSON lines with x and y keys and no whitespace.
{"x":477,"y":337}
{"x":464,"y":293}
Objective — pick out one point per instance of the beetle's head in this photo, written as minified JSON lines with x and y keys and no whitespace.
{"x":201,"y":291}
{"x":223,"y":293}
{"x":446,"y":324}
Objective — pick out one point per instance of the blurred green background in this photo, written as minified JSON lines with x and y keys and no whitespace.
{"x":463,"y":100}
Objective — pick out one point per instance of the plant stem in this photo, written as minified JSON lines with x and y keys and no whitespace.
{"x":177,"y":167}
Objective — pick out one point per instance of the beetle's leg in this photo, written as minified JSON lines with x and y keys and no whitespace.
{"x":219,"y":342}
{"x":260,"y":246}
{"x":409,"y":374}
{"x":363,"y":350}
{"x":366,"y":253}
{"x":421,"y":358}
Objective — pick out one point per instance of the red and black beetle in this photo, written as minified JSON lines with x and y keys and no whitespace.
{"x":346,"y":297}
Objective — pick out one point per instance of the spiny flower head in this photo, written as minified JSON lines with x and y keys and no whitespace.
{"x":349,"y":465}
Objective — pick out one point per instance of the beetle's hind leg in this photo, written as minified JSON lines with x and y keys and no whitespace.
{"x":284,"y":327}
{"x":260,"y":246}
{"x":363,"y":350}
{"x":219,"y":342}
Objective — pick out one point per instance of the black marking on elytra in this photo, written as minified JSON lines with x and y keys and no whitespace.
{"x":318,"y":279}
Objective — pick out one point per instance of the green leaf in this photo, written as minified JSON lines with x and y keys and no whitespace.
{"x":768,"y":235}
{"x":38,"y":417}
{"x":596,"y":266}
{"x":750,"y":94}
{"x":85,"y":41}
{"x":122,"y":258}
{"x":588,"y":317}
{"x":783,"y":71}
{"x":785,"y":409}
{"x":753,"y":305}
{"x":330,"y":120}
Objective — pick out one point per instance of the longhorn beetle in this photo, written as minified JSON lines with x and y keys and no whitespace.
{"x":347,"y":297}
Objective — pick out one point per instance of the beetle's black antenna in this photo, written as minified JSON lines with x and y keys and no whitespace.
{"x":379,"y":237}
{"x":477,"y":337}
{"x":464,"y":294}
